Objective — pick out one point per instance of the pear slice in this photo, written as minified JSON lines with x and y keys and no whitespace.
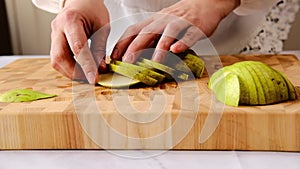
{"x":114,"y":80}
{"x":192,"y":64}
{"x":248,"y":80}
{"x":291,"y":89}
{"x":244,"y":87}
{"x":226,"y":87}
{"x":267,"y":84}
{"x":259,"y":86}
{"x":23,"y":95}
{"x":280,"y":85}
{"x":142,"y":70}
{"x":133,"y":74}
{"x":172,"y":72}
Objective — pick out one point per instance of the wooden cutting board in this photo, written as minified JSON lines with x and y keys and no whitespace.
{"x":169,"y":116}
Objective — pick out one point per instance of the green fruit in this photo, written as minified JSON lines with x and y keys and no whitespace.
{"x":226,"y":87}
{"x":244,"y":87}
{"x":268,"y":85}
{"x":191,"y":63}
{"x":259,"y":84}
{"x":133,"y":74}
{"x":291,"y":89}
{"x":259,"y":87}
{"x":23,"y":95}
{"x":113,"y":80}
{"x":143,"y":70}
{"x":249,"y":82}
{"x":141,"y":64}
{"x":172,"y":72}
{"x":280,"y":85}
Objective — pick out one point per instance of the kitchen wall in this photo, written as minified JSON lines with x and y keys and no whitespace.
{"x":293,"y":41}
{"x":5,"y":44}
{"x":30,"y":29}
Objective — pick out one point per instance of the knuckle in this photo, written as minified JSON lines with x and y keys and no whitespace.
{"x":70,"y":15}
{"x":67,"y":17}
{"x":147,"y":30}
{"x":175,"y":27}
{"x":54,"y":24}
{"x":132,"y":30}
{"x":164,"y":44}
{"x":77,"y":47}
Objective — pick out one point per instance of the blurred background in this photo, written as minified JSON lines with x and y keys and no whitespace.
{"x":25,"y":30}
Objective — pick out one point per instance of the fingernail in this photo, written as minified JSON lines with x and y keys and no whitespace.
{"x":91,"y":77}
{"x":128,"y":58}
{"x":176,"y":48}
{"x":102,"y":67}
{"x":115,"y":54}
{"x":157,"y":57}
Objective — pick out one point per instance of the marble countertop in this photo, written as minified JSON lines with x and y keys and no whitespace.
{"x":88,"y":159}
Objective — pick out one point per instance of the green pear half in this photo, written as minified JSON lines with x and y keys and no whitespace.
{"x":259,"y":84}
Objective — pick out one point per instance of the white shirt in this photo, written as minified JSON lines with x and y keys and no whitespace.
{"x":233,"y":33}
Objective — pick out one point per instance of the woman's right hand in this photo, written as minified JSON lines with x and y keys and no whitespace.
{"x":74,"y":25}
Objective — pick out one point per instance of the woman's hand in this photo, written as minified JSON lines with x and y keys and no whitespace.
{"x":71,"y":29}
{"x":189,"y":19}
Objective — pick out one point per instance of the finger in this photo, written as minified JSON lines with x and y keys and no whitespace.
{"x":128,"y":36}
{"x":98,"y":46}
{"x":77,"y":39}
{"x":144,"y":39}
{"x":170,"y":34}
{"x":103,"y":67}
{"x":191,"y":36}
{"x":61,"y":56}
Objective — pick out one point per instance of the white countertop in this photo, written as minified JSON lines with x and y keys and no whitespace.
{"x":163,"y":160}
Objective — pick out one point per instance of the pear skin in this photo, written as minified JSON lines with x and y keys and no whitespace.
{"x":248,"y":81}
{"x":133,"y":74}
{"x":23,"y":95}
{"x":258,"y":84}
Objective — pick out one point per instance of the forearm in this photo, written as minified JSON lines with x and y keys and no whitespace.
{"x":252,"y":6}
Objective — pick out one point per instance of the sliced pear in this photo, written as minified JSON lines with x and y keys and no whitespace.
{"x":282,"y":93}
{"x":226,"y":87}
{"x":259,"y":88}
{"x":142,"y":70}
{"x":172,"y":72}
{"x":23,"y":95}
{"x":259,"y":84}
{"x":133,"y":74}
{"x":244,"y":87}
{"x":194,"y":63}
{"x":248,"y":80}
{"x":114,"y":80}
{"x":267,"y":84}
{"x":291,"y":89}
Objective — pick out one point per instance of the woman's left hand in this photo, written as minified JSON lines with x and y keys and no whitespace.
{"x":191,"y":19}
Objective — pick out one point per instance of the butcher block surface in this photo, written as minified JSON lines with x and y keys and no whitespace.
{"x":169,"y":116}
